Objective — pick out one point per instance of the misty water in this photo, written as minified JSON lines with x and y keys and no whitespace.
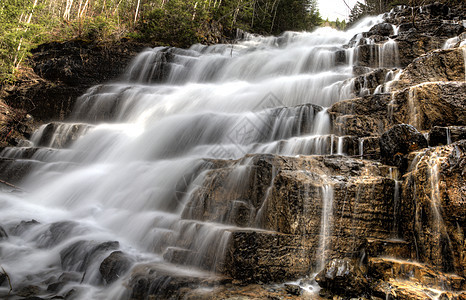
{"x":141,"y":146}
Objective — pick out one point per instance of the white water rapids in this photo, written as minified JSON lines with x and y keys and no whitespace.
{"x":142,"y":142}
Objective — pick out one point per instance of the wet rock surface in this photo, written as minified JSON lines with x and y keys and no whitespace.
{"x":398,"y":142}
{"x":343,"y":277}
{"x":114,"y":266}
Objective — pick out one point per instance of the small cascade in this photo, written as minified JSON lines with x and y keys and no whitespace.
{"x":340,"y":145}
{"x":413,"y":111}
{"x":388,"y":54}
{"x":448,"y":132}
{"x":361,"y":147}
{"x":430,"y":203}
{"x":391,"y":77}
{"x":394,"y":174}
{"x":450,"y":43}
{"x":325,"y":225}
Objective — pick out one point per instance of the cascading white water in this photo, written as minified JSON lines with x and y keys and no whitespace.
{"x":326,"y":225}
{"x":151,"y":133}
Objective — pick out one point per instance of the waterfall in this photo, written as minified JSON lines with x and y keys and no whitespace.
{"x":325,"y":225}
{"x":130,"y":168}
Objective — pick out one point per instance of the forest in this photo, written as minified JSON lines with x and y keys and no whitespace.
{"x":24,"y":24}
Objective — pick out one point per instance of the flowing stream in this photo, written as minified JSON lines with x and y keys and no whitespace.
{"x":123,"y":168}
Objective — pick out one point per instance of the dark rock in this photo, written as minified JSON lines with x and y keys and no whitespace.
{"x":3,"y":279}
{"x":3,"y":234}
{"x":79,"y":255}
{"x":367,"y":83}
{"x":383,"y":29}
{"x":60,"y":135}
{"x":446,"y":135}
{"x":399,"y":141}
{"x":340,"y":57}
{"x":293,"y":289}
{"x":68,"y":69}
{"x":267,"y":256}
{"x":57,"y":233}
{"x":23,"y":226}
{"x":342,"y":277}
{"x":29,"y":291}
{"x":163,"y":282}
{"x":115,"y":265}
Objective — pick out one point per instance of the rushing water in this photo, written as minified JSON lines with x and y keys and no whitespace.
{"x":137,"y":149}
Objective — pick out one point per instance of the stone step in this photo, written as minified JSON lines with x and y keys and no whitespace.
{"x":409,"y":290}
{"x":390,"y":268}
{"x":14,"y":170}
{"x":387,"y":248}
{"x":59,"y":135}
{"x":36,"y":153}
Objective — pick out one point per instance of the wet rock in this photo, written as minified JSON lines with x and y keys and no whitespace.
{"x":29,"y":291}
{"x":267,"y":256}
{"x":361,"y":117}
{"x":414,"y":44}
{"x":168,"y":282}
{"x":446,"y":135}
{"x":60,"y":135}
{"x":79,"y":255}
{"x":3,"y":234}
{"x":115,"y":265}
{"x":340,"y":57}
{"x":387,"y":268}
{"x":367,"y":83}
{"x":55,"y":285}
{"x":387,"y":248}
{"x":23,"y":226}
{"x":293,"y":289}
{"x":16,"y":124}
{"x":398,"y":142}
{"x":383,"y":29}
{"x":56,"y":233}
{"x":437,"y":65}
{"x":342,"y":277}
{"x":433,"y":199}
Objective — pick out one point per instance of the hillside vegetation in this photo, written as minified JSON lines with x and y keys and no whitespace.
{"x":26,"y":23}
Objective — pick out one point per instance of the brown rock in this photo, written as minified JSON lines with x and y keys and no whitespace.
{"x":437,"y":65}
{"x":433,"y":201}
{"x":343,"y":277}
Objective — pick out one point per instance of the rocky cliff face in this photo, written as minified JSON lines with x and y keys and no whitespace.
{"x":386,"y":220}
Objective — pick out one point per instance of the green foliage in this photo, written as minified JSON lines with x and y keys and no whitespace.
{"x":26,"y":23}
{"x":185,"y":22}
{"x":176,"y":23}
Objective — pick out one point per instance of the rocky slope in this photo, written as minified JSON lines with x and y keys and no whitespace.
{"x":385,"y":221}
